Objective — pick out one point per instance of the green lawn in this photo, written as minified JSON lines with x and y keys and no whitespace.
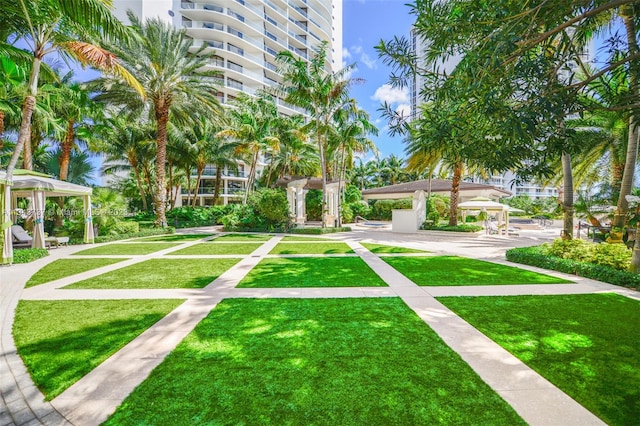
{"x":86,"y":332}
{"x":174,"y":237}
{"x":161,"y":273}
{"x":453,"y":271}
{"x":587,"y":345}
{"x":318,"y":361}
{"x":244,"y":237}
{"x":65,"y":268}
{"x":311,"y":248}
{"x":301,"y":238}
{"x":382,"y":248}
{"x":311,"y":272}
{"x":127,"y":249}
{"x":218,"y":248}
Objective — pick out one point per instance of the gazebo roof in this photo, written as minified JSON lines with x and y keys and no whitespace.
{"x":25,"y":181}
{"x":312,"y":182}
{"x":437,"y":185}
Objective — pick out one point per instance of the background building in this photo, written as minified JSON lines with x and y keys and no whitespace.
{"x":245,"y":36}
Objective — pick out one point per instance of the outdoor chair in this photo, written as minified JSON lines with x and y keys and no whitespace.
{"x":20,"y":237}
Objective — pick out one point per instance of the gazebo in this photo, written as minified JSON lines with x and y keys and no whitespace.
{"x":37,"y":187}
{"x":489,"y":206}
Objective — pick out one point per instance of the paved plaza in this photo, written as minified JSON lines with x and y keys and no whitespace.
{"x":91,"y":400}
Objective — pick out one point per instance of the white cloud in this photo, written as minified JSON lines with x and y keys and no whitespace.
{"x":391,"y":95}
{"x":404,"y":110}
{"x":358,"y":53}
{"x":366,"y":59}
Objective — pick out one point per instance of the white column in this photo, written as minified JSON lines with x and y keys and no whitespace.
{"x":300,"y":208}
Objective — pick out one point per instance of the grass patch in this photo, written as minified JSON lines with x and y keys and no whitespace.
{"x":453,"y":270}
{"x":384,"y":249}
{"x":175,"y":237}
{"x":312,"y":248}
{"x":319,"y":361}
{"x":217,"y":248}
{"x":297,"y":238}
{"x":62,"y":268}
{"x":312,"y":272}
{"x":587,"y":344}
{"x":244,"y":237}
{"x":86,"y":332}
{"x":160,"y":273}
{"x":127,"y":249}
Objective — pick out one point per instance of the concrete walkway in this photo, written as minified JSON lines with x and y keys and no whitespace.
{"x":92,"y":399}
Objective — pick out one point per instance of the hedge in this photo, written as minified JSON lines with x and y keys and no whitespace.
{"x":459,"y":228}
{"x":144,"y":233}
{"x":29,"y":254}
{"x":318,"y":231}
{"x":534,"y":256}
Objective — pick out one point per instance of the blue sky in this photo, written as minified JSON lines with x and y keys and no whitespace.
{"x":365,"y":23}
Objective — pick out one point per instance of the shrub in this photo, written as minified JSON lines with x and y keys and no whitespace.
{"x":538,"y":256}
{"x":319,"y":231}
{"x":616,"y":256}
{"x":381,"y":209}
{"x":124,"y":228}
{"x":313,"y":204}
{"x":144,"y":233}
{"x":29,"y":255}
{"x":347,"y":213}
{"x":272,"y":205}
{"x":266,"y":210}
{"x":360,"y":208}
{"x":460,"y":228}
{"x":187,"y":216}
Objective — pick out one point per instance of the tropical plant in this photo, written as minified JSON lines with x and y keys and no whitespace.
{"x":66,"y":27}
{"x":252,"y":127}
{"x":174,"y":85}
{"x":322,"y":93}
{"x":210,"y":148}
{"x":295,"y":156}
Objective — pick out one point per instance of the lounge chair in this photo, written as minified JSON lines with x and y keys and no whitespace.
{"x":20,"y":237}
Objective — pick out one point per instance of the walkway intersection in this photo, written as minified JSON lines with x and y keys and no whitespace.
{"x":92,"y":399}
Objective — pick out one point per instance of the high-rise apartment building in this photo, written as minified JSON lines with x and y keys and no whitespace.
{"x":244,"y":37}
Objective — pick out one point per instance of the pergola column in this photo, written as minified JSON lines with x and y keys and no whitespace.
{"x":301,"y":216}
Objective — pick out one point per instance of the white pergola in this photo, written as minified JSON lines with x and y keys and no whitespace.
{"x":38,"y":186}
{"x":297,"y":188}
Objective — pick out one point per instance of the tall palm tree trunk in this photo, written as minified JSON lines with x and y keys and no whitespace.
{"x":626,"y":185}
{"x":162,"y":118}
{"x":65,"y":151}
{"x":28,"y":106}
{"x":216,"y":189}
{"x":143,"y":196}
{"x":1,"y":129}
{"x":455,"y":192}
{"x":252,"y":176}
{"x":567,"y":200}
{"x":197,"y":188}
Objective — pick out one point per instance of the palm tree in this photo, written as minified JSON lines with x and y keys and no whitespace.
{"x":80,"y":167}
{"x":322,"y":93}
{"x":11,"y":77}
{"x":131,"y":142}
{"x":251,"y":126}
{"x":209,"y":147}
{"x":351,"y":137}
{"x":64,"y":26}
{"x":174,"y":86}
{"x":296,"y":156}
{"x":73,"y":105}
